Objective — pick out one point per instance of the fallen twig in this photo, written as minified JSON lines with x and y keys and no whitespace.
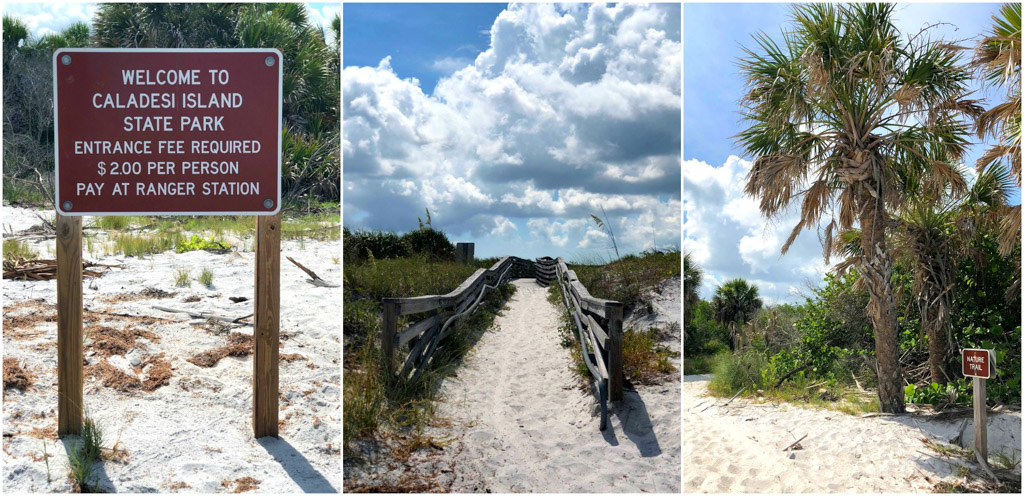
{"x":730,"y":399}
{"x":205,"y":315}
{"x":316,"y":280}
{"x":787,"y":448}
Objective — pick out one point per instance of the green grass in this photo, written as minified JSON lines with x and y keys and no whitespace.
{"x":740,"y":373}
{"x":140,"y":245}
{"x":206,"y":277}
{"x":626,"y":279}
{"x":18,"y":192}
{"x":84,"y":455}
{"x":403,"y":277}
{"x":14,"y":250}
{"x":699,"y":364}
{"x":182,"y":278}
{"x":375,"y":402}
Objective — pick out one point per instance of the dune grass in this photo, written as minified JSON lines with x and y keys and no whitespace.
{"x":377,"y":404}
{"x":740,"y":374}
{"x":626,"y":279}
{"x":18,"y":250}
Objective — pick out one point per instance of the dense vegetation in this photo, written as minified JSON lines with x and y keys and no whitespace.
{"x":828,"y":339}
{"x":862,"y":129}
{"x":311,"y":166}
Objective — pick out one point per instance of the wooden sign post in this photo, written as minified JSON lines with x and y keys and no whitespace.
{"x":979,"y":364}
{"x":167,"y":132}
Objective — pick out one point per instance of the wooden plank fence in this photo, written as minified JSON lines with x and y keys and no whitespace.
{"x":599,"y":332}
{"x":545,"y":268}
{"x":437,"y":314}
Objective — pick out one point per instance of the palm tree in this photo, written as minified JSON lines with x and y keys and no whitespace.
{"x":844,"y":112}
{"x":997,"y":58}
{"x":933,"y":233}
{"x":310,"y":146}
{"x":693,"y":276}
{"x":734,"y":304}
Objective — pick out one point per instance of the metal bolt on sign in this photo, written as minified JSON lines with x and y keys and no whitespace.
{"x":270,"y":61}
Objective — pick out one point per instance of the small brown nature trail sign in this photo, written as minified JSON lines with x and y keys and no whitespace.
{"x":979,"y":364}
{"x":171,"y":132}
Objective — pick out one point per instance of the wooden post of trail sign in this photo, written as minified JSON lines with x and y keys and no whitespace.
{"x":167,"y":132}
{"x":979,"y":364}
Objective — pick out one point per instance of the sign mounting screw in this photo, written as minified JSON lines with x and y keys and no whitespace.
{"x":65,"y":59}
{"x":67,"y":203}
{"x":270,"y":60}
{"x":268,"y":203}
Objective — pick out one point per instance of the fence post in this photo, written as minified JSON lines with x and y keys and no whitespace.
{"x":69,"y":325}
{"x":613,"y":311}
{"x":388,"y":331}
{"x":266,"y":325}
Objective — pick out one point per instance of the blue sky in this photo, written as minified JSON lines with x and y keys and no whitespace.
{"x":436,"y":39}
{"x":722,"y":227}
{"x":515,"y":124}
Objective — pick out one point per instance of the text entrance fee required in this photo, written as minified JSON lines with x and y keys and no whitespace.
{"x":167,"y":131}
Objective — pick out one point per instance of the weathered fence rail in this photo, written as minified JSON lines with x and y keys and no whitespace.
{"x":599,"y":332}
{"x":544,"y":269}
{"x":436,"y":314}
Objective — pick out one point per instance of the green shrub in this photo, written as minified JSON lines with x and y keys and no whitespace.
{"x":379,"y":245}
{"x":199,"y":243}
{"x":429,"y":242}
{"x":735,"y":371}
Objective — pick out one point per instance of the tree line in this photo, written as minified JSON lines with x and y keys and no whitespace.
{"x":864,"y":130}
{"x":310,"y":141}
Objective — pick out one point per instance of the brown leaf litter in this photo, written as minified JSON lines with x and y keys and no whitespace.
{"x":159,"y":375}
{"x":239,"y":345}
{"x":242,"y":484}
{"x":107,"y":341}
{"x":16,"y":377}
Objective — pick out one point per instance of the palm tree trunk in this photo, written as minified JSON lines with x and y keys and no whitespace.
{"x":934,"y":308}
{"x":876,"y":268}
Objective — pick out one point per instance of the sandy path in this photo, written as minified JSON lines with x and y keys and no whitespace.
{"x":739,"y":448}
{"x":528,"y":429}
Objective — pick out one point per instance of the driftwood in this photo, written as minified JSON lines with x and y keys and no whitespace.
{"x":43,"y":270}
{"x":730,"y":399}
{"x":789,"y":374}
{"x":315,"y":279}
{"x":205,"y":315}
{"x":795,"y":444}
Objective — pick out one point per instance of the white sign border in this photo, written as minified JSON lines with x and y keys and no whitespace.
{"x":991,"y":362}
{"x":56,"y":151}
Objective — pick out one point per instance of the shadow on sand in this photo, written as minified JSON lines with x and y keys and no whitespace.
{"x":97,"y":480}
{"x":297,"y":466}
{"x":635,"y":423}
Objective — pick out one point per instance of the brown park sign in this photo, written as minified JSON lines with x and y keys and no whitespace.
{"x":978,"y":363}
{"x":167,"y":131}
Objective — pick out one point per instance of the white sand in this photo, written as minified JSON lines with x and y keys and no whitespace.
{"x":738,"y":448}
{"x":198,"y":429}
{"x":519,"y":423}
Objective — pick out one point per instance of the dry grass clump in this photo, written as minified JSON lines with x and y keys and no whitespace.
{"x":16,"y":377}
{"x":16,"y":320}
{"x":159,"y":375}
{"x":107,"y":341}
{"x":238,"y":345}
{"x":242,"y":484}
{"x":177,"y":486}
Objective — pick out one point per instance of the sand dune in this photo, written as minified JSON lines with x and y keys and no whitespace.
{"x":738,"y":448}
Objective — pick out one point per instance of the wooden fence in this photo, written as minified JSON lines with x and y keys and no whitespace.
{"x":438,"y":313}
{"x":599,"y":332}
{"x":545,"y":268}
